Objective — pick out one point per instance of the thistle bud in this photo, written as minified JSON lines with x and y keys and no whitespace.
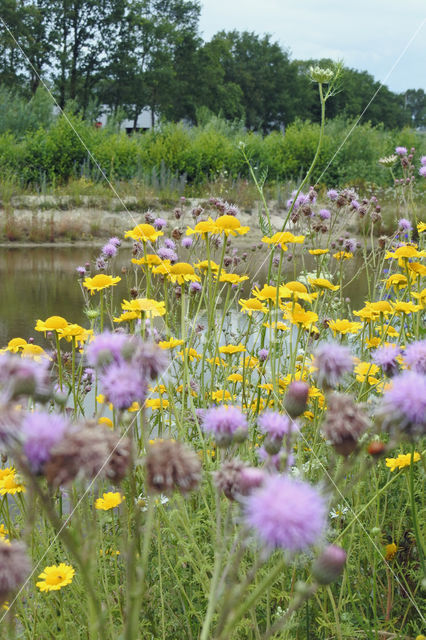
{"x":296,"y":398}
{"x":329,"y":566}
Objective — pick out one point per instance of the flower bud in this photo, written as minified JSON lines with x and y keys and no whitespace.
{"x":296,"y":398}
{"x":329,"y":566}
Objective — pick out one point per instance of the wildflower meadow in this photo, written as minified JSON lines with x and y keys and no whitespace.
{"x":229,"y":451}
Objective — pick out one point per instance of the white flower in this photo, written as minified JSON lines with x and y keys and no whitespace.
{"x":339,"y":512}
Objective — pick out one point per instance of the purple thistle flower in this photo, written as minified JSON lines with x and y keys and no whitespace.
{"x":286,"y":514}
{"x":81,"y":271}
{"x":109,"y":250}
{"x":404,"y":225}
{"x":332,"y":194}
{"x":23,"y":377}
{"x":186,"y":242}
{"x":276,"y":424}
{"x":415,"y":356}
{"x":124,"y":384}
{"x":324,"y":214}
{"x":167,"y":254}
{"x":403,"y":406}
{"x":263,"y":355}
{"x":40,"y":432}
{"x":422,"y":171}
{"x":100,"y":264}
{"x":223,"y":423}
{"x":350,"y":244}
{"x":401,"y":151}
{"x":386,"y":357}
{"x":106,"y":348}
{"x":151,"y":359}
{"x":195,"y":287}
{"x":168,"y":242}
{"x":332,"y":361}
{"x":355,"y":204}
{"x":160,"y":223}
{"x":423,"y":161}
{"x":115,"y":241}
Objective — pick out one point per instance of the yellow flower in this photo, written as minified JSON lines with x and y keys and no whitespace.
{"x":151,"y":259}
{"x":204,"y":265}
{"x":221,"y":395}
{"x":365,"y":370}
{"x":343,"y":255}
{"x":298,"y":315}
{"x":106,"y":421}
{"x":298,"y":290}
{"x":390,"y":551}
{"x":99,"y":282}
{"x":421,"y":297}
{"x":11,"y":484}
{"x":250,"y":361}
{"x":53,"y":323}
{"x":55,"y":577}
{"x":323,"y":283}
{"x":404,"y":253}
{"x":151,"y":308}
{"x":8,"y":471}
{"x":33,"y":351}
{"x":420,"y":228}
{"x":16,"y":344}
{"x":203,"y":227}
{"x":171,"y":343}
{"x":127,"y":316}
{"x":269,"y":292}
{"x":252,"y":304}
{"x":156,"y":403}
{"x":232,"y":278}
{"x":405,"y":307}
{"x":144,"y":233}
{"x":344,"y":326}
{"x":73,"y":331}
{"x":133,"y":407}
{"x":230,"y":349}
{"x":417,"y":268}
{"x":230,"y":225}
{"x":235,"y":377}
{"x":283,"y":238}
{"x":109,"y":501}
{"x":182,"y":272}
{"x":403,"y":460}
{"x":372,"y":343}
{"x":318,"y":252}
{"x":396,"y":280}
{"x":219,"y":362}
{"x":101,"y":399}
{"x":191,"y":353}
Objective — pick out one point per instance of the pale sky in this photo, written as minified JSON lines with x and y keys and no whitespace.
{"x":368,"y":35}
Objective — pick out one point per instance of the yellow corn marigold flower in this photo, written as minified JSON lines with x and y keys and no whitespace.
{"x":33,"y":351}
{"x":420,"y":228}
{"x":367,"y":370}
{"x":106,"y":421}
{"x":405,"y":307}
{"x":135,"y":406}
{"x":171,"y":343}
{"x":283,"y":238}
{"x":55,"y":577}
{"x":372,"y":343}
{"x":230,"y":349}
{"x":101,"y":399}
{"x":417,"y":268}
{"x":343,"y":255}
{"x":159,"y":388}
{"x":151,"y":259}
{"x":127,"y":316}
{"x":11,"y":484}
{"x":318,"y":252}
{"x":191,"y":353}
{"x":403,"y":460}
{"x":252,"y":304}
{"x":8,"y":471}
{"x":99,"y":282}
{"x":109,"y":501}
{"x":390,"y":551}
{"x":299,"y":291}
{"x":73,"y":331}
{"x":230,"y":225}
{"x":232,"y":278}
{"x":151,"y":308}
{"x":298,"y":315}
{"x":250,"y":362}
{"x":221,"y":395}
{"x":204,"y":265}
{"x":218,"y":362}
{"x":182,"y":272}
{"x":396,"y":280}
{"x":235,"y":377}
{"x":421,"y":636}
{"x":16,"y":344}
{"x":269,"y":292}
{"x":203,"y":227}
{"x":404,"y":253}
{"x":277,"y":325}
{"x":156,"y":403}
{"x":143,"y":233}
{"x":344,"y":326}
{"x":421,"y":297}
{"x":323,"y":283}
{"x":53,"y":323}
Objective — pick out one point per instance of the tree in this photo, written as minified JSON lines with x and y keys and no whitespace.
{"x":415,"y":106}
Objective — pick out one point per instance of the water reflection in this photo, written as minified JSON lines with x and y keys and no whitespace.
{"x":37,"y":282}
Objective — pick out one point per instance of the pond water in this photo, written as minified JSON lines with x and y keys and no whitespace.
{"x":40,"y":281}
